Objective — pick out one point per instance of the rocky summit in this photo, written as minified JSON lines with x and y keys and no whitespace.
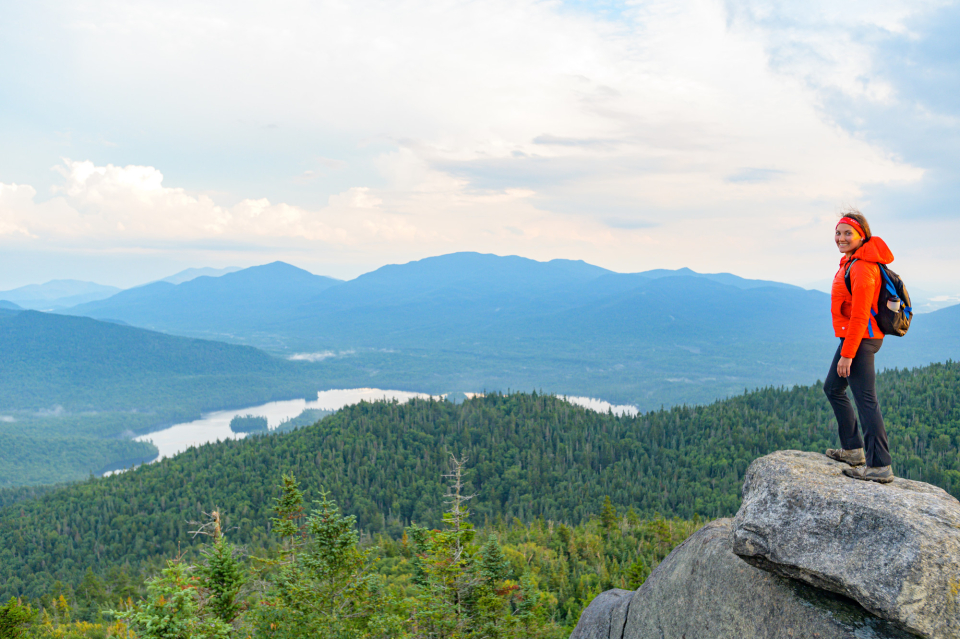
{"x":894,"y":548}
{"x":811,"y":553}
{"x":704,"y":591}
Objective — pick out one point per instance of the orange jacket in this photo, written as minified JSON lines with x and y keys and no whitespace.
{"x":852,"y":316}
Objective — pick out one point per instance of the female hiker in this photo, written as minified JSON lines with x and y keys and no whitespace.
{"x":860,"y":339}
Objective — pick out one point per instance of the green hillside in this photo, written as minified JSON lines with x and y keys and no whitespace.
{"x":74,"y":390}
{"x":528,"y":456}
{"x":86,"y":365}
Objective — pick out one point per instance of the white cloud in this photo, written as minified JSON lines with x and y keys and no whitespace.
{"x":129,"y":205}
{"x":15,"y":199}
{"x":510,"y":126}
{"x":832,"y":45}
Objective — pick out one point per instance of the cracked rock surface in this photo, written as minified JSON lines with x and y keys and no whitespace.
{"x":704,"y":591}
{"x":893,"y":548}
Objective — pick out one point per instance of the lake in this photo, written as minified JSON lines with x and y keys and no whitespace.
{"x":601,"y":406}
{"x":213,"y":427}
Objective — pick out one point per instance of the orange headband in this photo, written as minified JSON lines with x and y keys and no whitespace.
{"x":852,"y":222}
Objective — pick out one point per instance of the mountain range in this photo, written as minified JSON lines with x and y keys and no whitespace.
{"x":193,"y":273}
{"x":57,"y":294}
{"x":468,"y":321}
{"x":235,"y":306}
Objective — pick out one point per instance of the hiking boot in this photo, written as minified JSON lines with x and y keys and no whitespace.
{"x":880,"y":474}
{"x":853,"y":457}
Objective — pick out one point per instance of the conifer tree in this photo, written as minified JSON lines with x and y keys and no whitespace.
{"x":462,"y":590}
{"x":289,"y":512}
{"x":90,"y":595}
{"x":608,"y":514}
{"x":173,"y":608}
{"x":323,"y":586}
{"x":221,"y":575}
{"x":14,"y":618}
{"x":490,"y":600}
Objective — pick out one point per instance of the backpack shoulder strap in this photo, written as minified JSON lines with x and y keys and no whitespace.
{"x":846,"y":275}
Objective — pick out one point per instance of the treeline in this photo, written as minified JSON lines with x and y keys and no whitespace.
{"x":529,"y":456}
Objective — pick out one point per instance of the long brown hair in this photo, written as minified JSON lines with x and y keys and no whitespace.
{"x":861,"y":219}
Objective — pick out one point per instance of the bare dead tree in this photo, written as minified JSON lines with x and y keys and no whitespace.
{"x":211,"y":527}
{"x":456,"y":517}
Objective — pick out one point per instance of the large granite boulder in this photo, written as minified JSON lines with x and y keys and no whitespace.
{"x":603,"y":618}
{"x":703,"y":591}
{"x":893,"y":548}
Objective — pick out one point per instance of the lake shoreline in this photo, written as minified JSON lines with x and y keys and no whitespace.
{"x":214,"y":426}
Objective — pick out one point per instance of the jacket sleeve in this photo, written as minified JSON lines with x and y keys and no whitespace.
{"x":863,"y":281}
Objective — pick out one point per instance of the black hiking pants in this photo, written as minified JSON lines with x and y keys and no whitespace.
{"x":863,"y":383}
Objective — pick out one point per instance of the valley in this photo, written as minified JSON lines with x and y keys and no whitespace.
{"x":468,"y":322}
{"x":529,"y":456}
{"x":206,"y":341}
{"x":676,"y":382}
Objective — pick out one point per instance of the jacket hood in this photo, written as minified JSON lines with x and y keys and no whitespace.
{"x":874,"y":250}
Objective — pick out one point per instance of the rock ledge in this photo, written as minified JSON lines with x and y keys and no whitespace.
{"x":703,"y":591}
{"x":894,"y":548}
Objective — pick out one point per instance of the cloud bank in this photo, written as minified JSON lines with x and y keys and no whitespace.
{"x":693,"y":133}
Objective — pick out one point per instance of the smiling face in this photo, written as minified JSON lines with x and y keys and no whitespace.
{"x":847,"y":239}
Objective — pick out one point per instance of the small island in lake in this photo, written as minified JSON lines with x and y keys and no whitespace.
{"x":248,"y":424}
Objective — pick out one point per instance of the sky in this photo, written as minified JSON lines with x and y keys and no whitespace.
{"x":140,"y":138}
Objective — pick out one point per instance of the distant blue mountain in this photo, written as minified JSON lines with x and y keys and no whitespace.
{"x":237,"y":302}
{"x":933,"y":337}
{"x":469,"y":321}
{"x":10,"y":306}
{"x":193,"y":273}
{"x":469,"y":298}
{"x":57,"y":294}
{"x":457,"y":276}
{"x":722,"y":278}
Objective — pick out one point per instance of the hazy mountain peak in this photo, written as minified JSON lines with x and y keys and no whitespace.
{"x":274,"y":271}
{"x":722,"y":278}
{"x":213,"y":305}
{"x":464,"y":267}
{"x":193,"y":273}
{"x":57,"y":294}
{"x":56,"y":289}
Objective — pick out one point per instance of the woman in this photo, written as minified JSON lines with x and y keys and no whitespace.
{"x":860,"y":339}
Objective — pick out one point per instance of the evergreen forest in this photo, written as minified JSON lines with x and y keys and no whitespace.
{"x":322,"y":578}
{"x":528,"y":458}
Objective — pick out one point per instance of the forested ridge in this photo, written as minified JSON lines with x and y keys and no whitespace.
{"x":73,"y":390}
{"x":528,"y":456}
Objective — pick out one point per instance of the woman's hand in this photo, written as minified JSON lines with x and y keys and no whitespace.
{"x":843,"y":366}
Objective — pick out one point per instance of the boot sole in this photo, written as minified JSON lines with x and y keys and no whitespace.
{"x":844,"y":461}
{"x":878,"y":480}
